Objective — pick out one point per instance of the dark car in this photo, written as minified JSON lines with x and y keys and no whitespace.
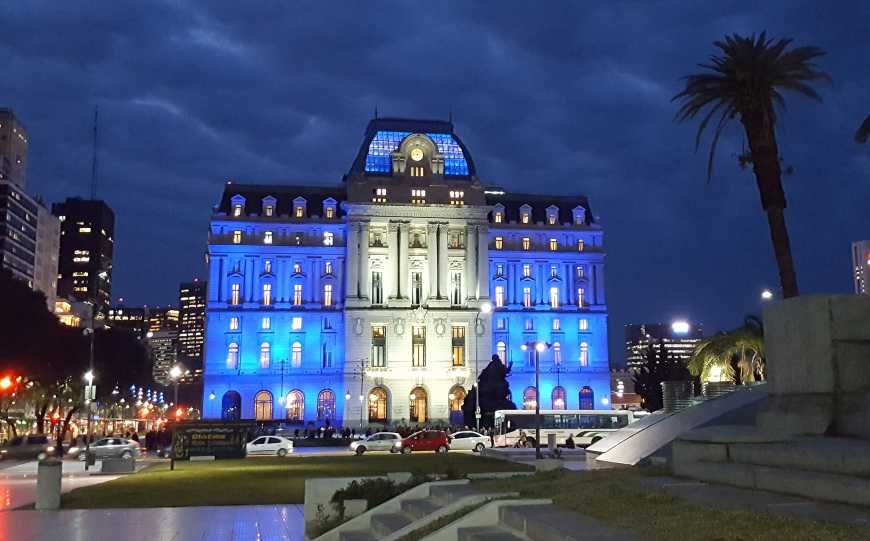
{"x":425,"y":440}
{"x":27,"y":447}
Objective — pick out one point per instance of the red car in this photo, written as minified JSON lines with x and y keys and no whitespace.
{"x":425,"y":440}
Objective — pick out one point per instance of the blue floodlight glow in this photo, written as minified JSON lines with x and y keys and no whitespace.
{"x":378,"y":159}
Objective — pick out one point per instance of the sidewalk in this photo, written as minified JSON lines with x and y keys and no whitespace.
{"x":232,"y":523}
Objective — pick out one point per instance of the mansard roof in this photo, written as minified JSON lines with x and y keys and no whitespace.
{"x":383,"y":136}
{"x":284,"y":196}
{"x":539,"y":203}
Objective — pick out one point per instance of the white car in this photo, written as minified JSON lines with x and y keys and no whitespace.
{"x":379,"y":441}
{"x":269,"y":445}
{"x":469,"y":440}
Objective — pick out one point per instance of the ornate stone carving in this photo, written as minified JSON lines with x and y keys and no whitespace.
{"x":419,"y":314}
{"x":399,"y":326}
{"x":357,"y":326}
{"x":440,"y":326}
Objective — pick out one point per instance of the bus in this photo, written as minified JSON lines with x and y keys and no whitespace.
{"x":586,"y":426}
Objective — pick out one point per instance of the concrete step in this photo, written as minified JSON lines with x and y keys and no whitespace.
{"x":549,"y":523}
{"x":447,"y":494}
{"x":386,"y":523}
{"x":419,"y":508}
{"x":359,"y":535}
{"x":829,"y":455}
{"x":808,"y":484}
{"x":487,"y":533}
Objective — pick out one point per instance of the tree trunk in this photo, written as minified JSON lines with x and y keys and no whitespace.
{"x":759,"y":128}
{"x":40,"y":418}
{"x":63,"y":429}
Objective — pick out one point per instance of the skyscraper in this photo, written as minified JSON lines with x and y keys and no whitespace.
{"x":191,"y":321}
{"x":13,"y":148}
{"x":679,"y":339}
{"x":861,"y":266}
{"x":86,"y":250}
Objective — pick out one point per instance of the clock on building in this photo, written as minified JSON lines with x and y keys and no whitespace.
{"x":417,"y":154}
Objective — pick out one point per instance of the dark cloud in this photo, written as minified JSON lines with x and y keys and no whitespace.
{"x":561,"y":97}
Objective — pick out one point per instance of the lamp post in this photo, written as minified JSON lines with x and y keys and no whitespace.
{"x":89,"y":379}
{"x":360,"y":370}
{"x":174,"y":375}
{"x":485,"y":308}
{"x":537,"y":348}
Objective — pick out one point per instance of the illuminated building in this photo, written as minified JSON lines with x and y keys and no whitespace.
{"x":191,"y":320}
{"x":13,"y":148}
{"x":364,"y":302}
{"x":679,"y":339}
{"x":861,"y":266}
{"x":131,"y":318}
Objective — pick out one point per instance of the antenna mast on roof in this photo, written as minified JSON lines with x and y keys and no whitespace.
{"x":94,"y":160}
{"x":376,"y":111}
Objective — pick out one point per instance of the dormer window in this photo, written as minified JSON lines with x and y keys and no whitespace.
{"x":457,"y":197}
{"x":330,"y":213}
{"x":525,"y":214}
{"x":498,"y":217}
{"x":579,"y":215}
{"x":379,"y":195}
{"x":329,"y":208}
{"x":299,"y":205}
{"x":269,"y":203}
{"x":552,"y":215}
{"x":238,"y":208}
{"x":237,"y":204}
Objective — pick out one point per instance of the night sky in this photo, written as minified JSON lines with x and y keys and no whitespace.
{"x":570,"y":99}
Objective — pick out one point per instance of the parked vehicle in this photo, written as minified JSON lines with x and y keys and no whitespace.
{"x":27,"y":447}
{"x":592,"y":425}
{"x":108,"y":448}
{"x":269,"y":445}
{"x":469,"y":440}
{"x":379,"y":441}
{"x":425,"y":440}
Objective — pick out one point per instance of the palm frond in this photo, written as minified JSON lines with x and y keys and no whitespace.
{"x":863,"y":132}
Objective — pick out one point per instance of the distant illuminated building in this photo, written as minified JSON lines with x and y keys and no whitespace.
{"x":162,"y":319}
{"x":191,"y":319}
{"x":861,"y":265}
{"x":131,"y":318}
{"x":622,"y":390}
{"x":164,"y":353}
{"x":679,"y":339}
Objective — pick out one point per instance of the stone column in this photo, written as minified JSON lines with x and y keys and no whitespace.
{"x":432,"y":259}
{"x":403,"y":260}
{"x":483,"y":261}
{"x":364,"y":278}
{"x":352,"y":263}
{"x":442,"y":261}
{"x":215,"y":264}
{"x":471,"y":262}
{"x":392,"y":266}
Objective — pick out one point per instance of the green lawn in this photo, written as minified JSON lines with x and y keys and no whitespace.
{"x":260,"y":480}
{"x":615,"y":497}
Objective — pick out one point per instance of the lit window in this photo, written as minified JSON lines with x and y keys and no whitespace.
{"x":267,"y":237}
{"x":554,"y":297}
{"x":580,"y":297}
{"x":584,"y":324}
{"x":498,"y":217}
{"x":558,"y":397}
{"x":530,"y":397}
{"x":499,"y":243}
{"x":529,"y":324}
{"x":499,"y":296}
{"x":526,"y":243}
{"x":235,"y":293}
{"x":327,"y":267}
{"x":379,"y":195}
{"x":297,"y":294}
{"x":297,"y":238}
{"x":330,"y":213}
{"x":581,"y":245}
{"x":527,"y":297}
{"x":418,"y":346}
{"x":524,"y":217}
{"x":237,"y":210}
{"x":557,"y":325}
{"x":299,"y":211}
{"x":580,"y":271}
{"x":267,"y":294}
{"x":551,"y":219}
{"x":296,"y":324}
{"x":554,"y":245}
{"x":237,"y":237}
{"x":327,"y":295}
{"x":458,"y":343}
{"x":328,"y":238}
{"x":267,"y":266}
{"x":379,"y":346}
{"x":557,"y":353}
{"x":501,"y":324}
{"x":266,"y":323}
{"x":234,"y":323}
{"x":84,"y":230}
{"x":456,"y":197}
{"x":584,"y":354}
{"x":418,"y":196}
{"x":265,"y":355}
{"x":499,"y":269}
{"x":269,"y":210}
{"x":297,"y":268}
{"x":554,"y":271}
{"x":233,"y":356}
{"x":296,"y":355}
{"x":81,"y":259}
{"x":501,"y":351}
{"x":527,"y":270}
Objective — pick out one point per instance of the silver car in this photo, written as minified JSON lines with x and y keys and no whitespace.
{"x":379,"y":441}
{"x":112,"y":448}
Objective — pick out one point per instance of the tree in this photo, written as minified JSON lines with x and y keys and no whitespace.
{"x":736,"y":355}
{"x":746,"y":82}
{"x":658,"y":367}
{"x":494,"y":394}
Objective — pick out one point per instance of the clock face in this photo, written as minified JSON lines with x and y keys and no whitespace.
{"x":417,"y":154}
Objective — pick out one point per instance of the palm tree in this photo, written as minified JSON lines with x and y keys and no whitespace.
{"x":717,"y":353}
{"x":864,"y":131}
{"x":746,"y":82}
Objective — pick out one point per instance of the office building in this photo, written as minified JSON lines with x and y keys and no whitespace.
{"x":13,"y":149}
{"x":861,"y":266}
{"x":131,"y":318}
{"x":191,"y":320}
{"x":678,"y":338}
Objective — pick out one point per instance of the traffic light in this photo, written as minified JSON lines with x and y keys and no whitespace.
{"x":55,"y":418}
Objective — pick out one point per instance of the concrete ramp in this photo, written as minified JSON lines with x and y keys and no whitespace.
{"x":654,"y":433}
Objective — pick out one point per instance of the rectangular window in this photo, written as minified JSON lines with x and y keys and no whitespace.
{"x":456,"y":197}
{"x":499,"y":296}
{"x":299,"y":211}
{"x":416,"y":288}
{"x":554,"y":297}
{"x":554,"y":271}
{"x":327,"y":295}
{"x":554,"y":245}
{"x":580,"y":297}
{"x":237,"y":237}
{"x":458,"y":342}
{"x":379,"y":195}
{"x":418,"y":346}
{"x":267,"y":294}
{"x":266,"y":323}
{"x":377,"y":288}
{"x":527,"y":270}
{"x":524,"y":217}
{"x":267,"y":237}
{"x":584,"y":354}
{"x":328,"y":238}
{"x":235,"y":293}
{"x":527,"y":243}
{"x":270,"y":210}
{"x":557,"y":325}
{"x":551,"y":219}
{"x":297,"y":294}
{"x":265,"y":355}
{"x":501,"y":324}
{"x":499,"y":243}
{"x":297,"y":268}
{"x":327,"y":267}
{"x":296,"y":324}
{"x":418,"y":196}
{"x":456,"y":288}
{"x":237,"y":210}
{"x":529,"y":324}
{"x":297,"y":238}
{"x":581,"y":273}
{"x":527,"y":297}
{"x":584,"y":324}
{"x":234,"y":323}
{"x":499,"y":269}
{"x":379,"y":346}
{"x":267,"y":266}
{"x":581,"y":245}
{"x":330,"y":213}
{"x":498,"y":217}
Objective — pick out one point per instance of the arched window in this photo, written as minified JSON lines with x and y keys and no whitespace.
{"x":455,"y":399}
{"x":378,"y":405}
{"x":584,"y":354}
{"x":296,"y":355}
{"x":557,"y":352}
{"x":325,"y":405}
{"x":265,"y":354}
{"x":558,"y":397}
{"x":587,"y":398}
{"x":418,"y":400}
{"x":231,"y":406}
{"x":295,"y":404}
{"x":501,"y":351}
{"x":263,"y":406}
{"x":530,"y":398}
{"x":233,"y":356}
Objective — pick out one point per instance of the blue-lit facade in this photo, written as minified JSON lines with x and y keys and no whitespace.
{"x":364,"y":303}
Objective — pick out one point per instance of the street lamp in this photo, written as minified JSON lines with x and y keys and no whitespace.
{"x":174,"y":375}
{"x":766,"y":295}
{"x":485,"y":308}
{"x":538,"y":347}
